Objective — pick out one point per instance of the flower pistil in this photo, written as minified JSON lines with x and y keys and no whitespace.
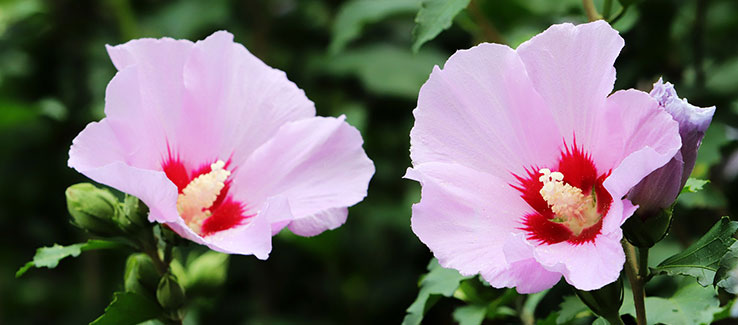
{"x":197,"y":198}
{"x":571,"y":207}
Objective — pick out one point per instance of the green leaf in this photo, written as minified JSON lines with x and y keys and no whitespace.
{"x":49,"y":257}
{"x":600,"y":321}
{"x":708,"y":198}
{"x":353,"y":15}
{"x":470,"y":314}
{"x":383,"y":69}
{"x":694,"y":185}
{"x":725,"y":277}
{"x":437,"y":282}
{"x":549,"y":320}
{"x":701,"y":259}
{"x":569,"y":309}
{"x":690,"y":304}
{"x":128,"y":308}
{"x":434,"y":17}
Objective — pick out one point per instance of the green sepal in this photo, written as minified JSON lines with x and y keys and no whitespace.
{"x":646,"y":229}
{"x":135,"y":214}
{"x":605,"y":301}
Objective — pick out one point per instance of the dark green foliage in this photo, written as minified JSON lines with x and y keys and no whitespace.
{"x":702,"y":259}
{"x":49,"y":257}
{"x":128,"y":308}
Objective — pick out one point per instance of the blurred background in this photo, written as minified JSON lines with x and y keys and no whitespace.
{"x":350,"y":57}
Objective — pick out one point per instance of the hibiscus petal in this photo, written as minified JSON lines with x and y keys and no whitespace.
{"x":234,"y":101}
{"x":586,"y":266}
{"x":465,"y":216}
{"x":255,"y":236}
{"x":572,"y":69}
{"x":641,"y":137}
{"x":156,"y":89}
{"x":318,"y":164}
{"x":523,"y":272}
{"x":481,"y":106}
{"x":95,"y":154}
{"x":325,"y":220}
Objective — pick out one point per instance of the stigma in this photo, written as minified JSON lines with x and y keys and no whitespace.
{"x":195,"y":201}
{"x":571,"y":207}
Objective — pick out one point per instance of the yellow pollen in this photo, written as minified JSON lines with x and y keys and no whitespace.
{"x":571,"y":207}
{"x":194,"y":203}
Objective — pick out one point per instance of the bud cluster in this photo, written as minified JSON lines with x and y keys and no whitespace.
{"x":100,"y":213}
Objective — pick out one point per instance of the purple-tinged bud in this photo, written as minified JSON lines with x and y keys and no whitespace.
{"x":656,"y":193}
{"x":660,"y":189}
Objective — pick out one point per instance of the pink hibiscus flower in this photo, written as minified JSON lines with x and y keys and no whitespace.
{"x":524,"y":159}
{"x":224,"y":149}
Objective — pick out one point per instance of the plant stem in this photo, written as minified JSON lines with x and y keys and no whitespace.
{"x":591,"y":11}
{"x":491,"y":34}
{"x":607,"y":8}
{"x":637,"y":282}
{"x":618,"y":15}
{"x":643,"y":264}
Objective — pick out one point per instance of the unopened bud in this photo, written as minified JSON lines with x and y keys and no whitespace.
{"x":660,"y":189}
{"x":170,"y":293}
{"x":93,"y":209}
{"x":135,"y":214}
{"x":141,"y":275}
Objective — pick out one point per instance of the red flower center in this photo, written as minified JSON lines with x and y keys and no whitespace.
{"x":569,"y":200}
{"x":203,"y":201}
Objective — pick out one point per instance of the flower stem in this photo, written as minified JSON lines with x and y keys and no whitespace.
{"x":636,"y":276}
{"x":489,"y":31}
{"x":643,"y":264}
{"x":591,"y":11}
{"x":606,"y":9}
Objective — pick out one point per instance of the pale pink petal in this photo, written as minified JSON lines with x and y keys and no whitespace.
{"x":325,"y":220}
{"x":183,"y":230}
{"x":149,"y":103}
{"x":158,"y":58}
{"x":587,"y":266}
{"x":481,"y":106}
{"x":640,"y":137}
{"x":317,"y":164}
{"x":96,"y":153}
{"x":255,"y":237}
{"x":465,"y":216}
{"x":234,"y":102}
{"x":572,"y":69}
{"x":523,"y":271}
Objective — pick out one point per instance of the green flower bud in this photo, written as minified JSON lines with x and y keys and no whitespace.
{"x":645,"y":231}
{"x":135,"y":214}
{"x":93,"y":209}
{"x":170,"y":293}
{"x":141,"y":275}
{"x":605,"y":301}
